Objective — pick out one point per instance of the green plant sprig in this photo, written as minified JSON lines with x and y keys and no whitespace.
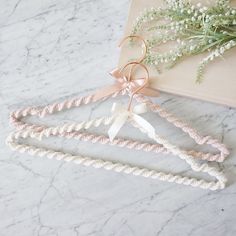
{"x":195,"y":28}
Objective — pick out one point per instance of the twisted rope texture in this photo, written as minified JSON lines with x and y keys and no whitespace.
{"x":72,"y":131}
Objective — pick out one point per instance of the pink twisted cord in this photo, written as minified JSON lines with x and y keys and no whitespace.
{"x":186,"y":128}
{"x":17,"y":116}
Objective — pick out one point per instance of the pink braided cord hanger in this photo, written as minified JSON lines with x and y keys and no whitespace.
{"x":16,"y":118}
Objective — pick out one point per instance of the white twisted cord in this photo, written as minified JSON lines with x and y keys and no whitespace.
{"x":117,"y":166}
{"x":220,"y":184}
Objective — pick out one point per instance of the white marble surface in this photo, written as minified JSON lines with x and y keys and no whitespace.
{"x":54,"y":49}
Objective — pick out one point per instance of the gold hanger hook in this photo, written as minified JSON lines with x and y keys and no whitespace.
{"x":142,"y":86}
{"x":144,"y":52}
{"x":139,"y":38}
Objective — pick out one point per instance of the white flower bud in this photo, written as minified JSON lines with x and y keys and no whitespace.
{"x":199,"y":5}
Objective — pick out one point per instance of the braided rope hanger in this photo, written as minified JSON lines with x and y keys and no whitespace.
{"x":17,"y":119}
{"x":68,"y":131}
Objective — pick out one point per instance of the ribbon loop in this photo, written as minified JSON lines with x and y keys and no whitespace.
{"x":121,"y":83}
{"x":140,"y":108}
{"x":122,"y":115}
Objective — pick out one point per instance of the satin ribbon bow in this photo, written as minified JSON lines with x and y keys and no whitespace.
{"x":121,"y":82}
{"x":122,"y":115}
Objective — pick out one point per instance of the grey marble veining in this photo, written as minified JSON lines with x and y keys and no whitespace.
{"x":54,"y":49}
